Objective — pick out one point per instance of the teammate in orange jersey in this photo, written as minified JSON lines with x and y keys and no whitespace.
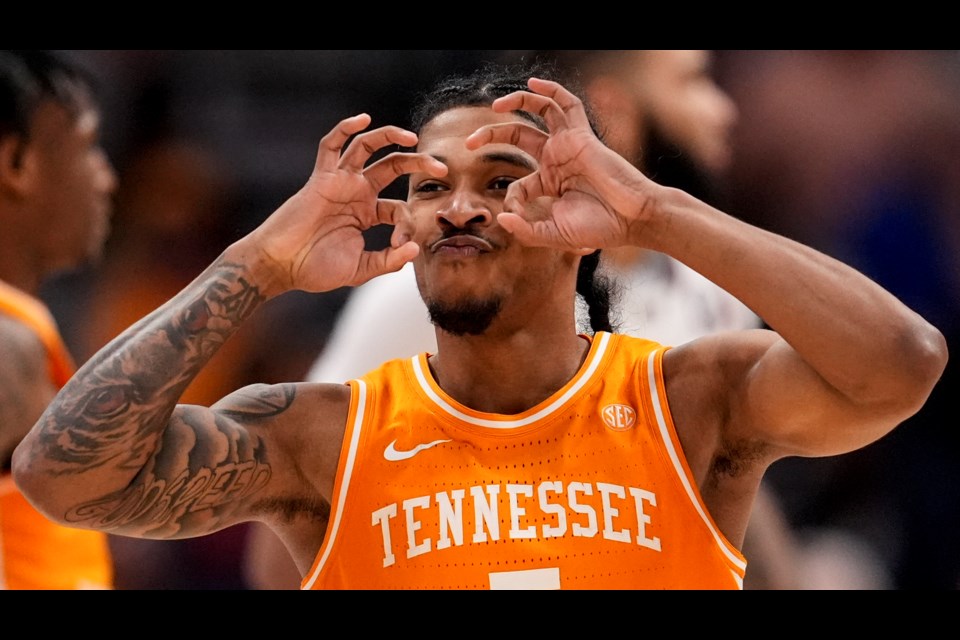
{"x":55,"y":190}
{"x":523,"y":454}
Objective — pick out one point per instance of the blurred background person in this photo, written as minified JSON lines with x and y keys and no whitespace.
{"x":857,"y":153}
{"x":171,"y":206}
{"x":56,"y":188}
{"x":171,"y":218}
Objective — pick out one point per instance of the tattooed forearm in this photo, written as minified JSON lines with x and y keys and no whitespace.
{"x":119,"y":402}
{"x":210,"y":319}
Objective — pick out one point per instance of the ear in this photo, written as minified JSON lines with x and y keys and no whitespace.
{"x":18,"y":164}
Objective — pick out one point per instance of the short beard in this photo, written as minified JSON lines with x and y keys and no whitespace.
{"x":669,"y":165}
{"x":467,"y":318}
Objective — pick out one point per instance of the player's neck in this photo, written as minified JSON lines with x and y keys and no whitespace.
{"x":509,"y":374}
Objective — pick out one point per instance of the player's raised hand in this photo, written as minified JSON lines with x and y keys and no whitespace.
{"x":599,"y":198}
{"x":314,"y":241}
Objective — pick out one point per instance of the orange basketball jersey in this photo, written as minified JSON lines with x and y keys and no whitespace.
{"x":35,"y":553}
{"x":587,"y":490}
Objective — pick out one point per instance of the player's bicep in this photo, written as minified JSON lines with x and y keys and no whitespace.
{"x":791,"y":406}
{"x":210,"y":469}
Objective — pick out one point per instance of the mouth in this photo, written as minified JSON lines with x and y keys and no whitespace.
{"x":461,"y":246}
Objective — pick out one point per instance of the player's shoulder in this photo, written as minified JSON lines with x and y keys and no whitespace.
{"x":723,"y":351}
{"x":391,"y":371}
{"x":628,"y":341}
{"x":321,"y":392}
{"x":286,"y":400}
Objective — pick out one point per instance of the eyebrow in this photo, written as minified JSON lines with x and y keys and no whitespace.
{"x":515,"y":159}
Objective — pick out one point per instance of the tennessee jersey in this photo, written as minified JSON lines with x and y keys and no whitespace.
{"x":587,"y":490}
{"x":36,"y":553}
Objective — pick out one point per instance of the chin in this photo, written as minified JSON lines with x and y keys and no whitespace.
{"x":465,"y":317}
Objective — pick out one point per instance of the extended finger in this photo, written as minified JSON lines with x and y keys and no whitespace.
{"x":375,"y":263}
{"x":538,"y":233}
{"x":397,"y":213}
{"x":523,"y":231}
{"x":328,"y":155}
{"x":392,"y":211}
{"x":386,"y":170}
{"x":364,"y":145}
{"x":543,"y":106}
{"x":524,"y":190}
{"x":571,"y":105}
{"x":554,"y":103}
{"x":521,"y":135}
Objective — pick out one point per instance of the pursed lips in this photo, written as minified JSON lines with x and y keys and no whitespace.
{"x":461,"y":245}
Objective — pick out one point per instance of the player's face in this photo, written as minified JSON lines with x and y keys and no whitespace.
{"x":466,"y":258}
{"x":73,"y":196}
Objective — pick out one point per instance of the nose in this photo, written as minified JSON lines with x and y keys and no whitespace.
{"x":463,"y":209}
{"x":107,"y":181}
{"x":726,"y":108}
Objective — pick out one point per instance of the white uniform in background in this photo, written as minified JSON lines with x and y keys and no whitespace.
{"x":662,"y":300}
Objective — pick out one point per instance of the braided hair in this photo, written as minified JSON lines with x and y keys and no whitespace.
{"x":480,"y":89}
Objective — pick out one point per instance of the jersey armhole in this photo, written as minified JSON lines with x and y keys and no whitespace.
{"x":654,"y":393}
{"x":353,"y":429}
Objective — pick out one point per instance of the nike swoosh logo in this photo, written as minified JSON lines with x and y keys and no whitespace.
{"x":391,"y":453}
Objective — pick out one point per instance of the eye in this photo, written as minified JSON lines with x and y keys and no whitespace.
{"x":428,"y":187}
{"x":110,"y":402}
{"x":501,"y":183}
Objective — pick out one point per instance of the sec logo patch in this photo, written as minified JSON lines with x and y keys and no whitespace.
{"x":618,"y":417}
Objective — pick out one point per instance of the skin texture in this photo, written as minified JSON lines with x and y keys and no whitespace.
{"x":847,"y":364}
{"x":59,"y":178}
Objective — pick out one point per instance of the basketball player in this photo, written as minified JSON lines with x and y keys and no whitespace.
{"x":663,"y":111}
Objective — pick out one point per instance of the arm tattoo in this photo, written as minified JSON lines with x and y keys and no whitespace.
{"x":270,"y":401}
{"x":202,"y":465}
{"x":117,"y":406}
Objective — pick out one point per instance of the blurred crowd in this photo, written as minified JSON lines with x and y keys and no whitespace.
{"x":856,"y":153}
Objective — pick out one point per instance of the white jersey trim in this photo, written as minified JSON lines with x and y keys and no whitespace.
{"x":344,"y":486}
{"x":678,"y":467}
{"x":602,"y":340}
